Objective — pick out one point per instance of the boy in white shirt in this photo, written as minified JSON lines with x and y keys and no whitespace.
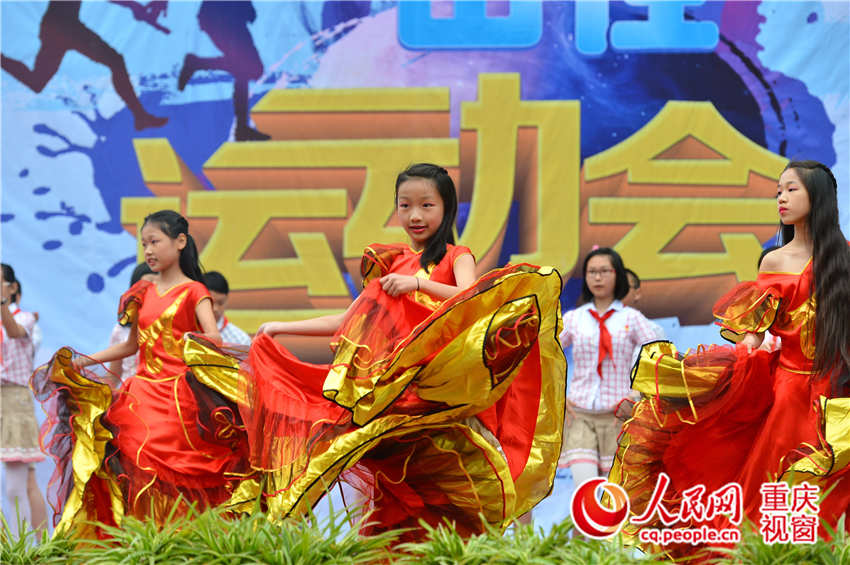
{"x":219,"y":291}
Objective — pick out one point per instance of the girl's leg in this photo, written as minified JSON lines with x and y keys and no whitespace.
{"x":16,"y":494}
{"x":583,"y":471}
{"x":38,"y":509}
{"x":580,"y":451}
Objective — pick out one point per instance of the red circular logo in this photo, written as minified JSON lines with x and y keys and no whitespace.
{"x":593,"y":519}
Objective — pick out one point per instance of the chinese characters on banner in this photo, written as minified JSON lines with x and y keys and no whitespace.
{"x":687,"y":200}
{"x":477,"y":24}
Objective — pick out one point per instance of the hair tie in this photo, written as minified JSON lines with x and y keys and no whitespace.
{"x":594,"y":247}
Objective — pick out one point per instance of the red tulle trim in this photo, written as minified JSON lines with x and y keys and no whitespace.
{"x":286,"y":413}
{"x":404,"y":481}
{"x":61,"y":403}
{"x":750,"y":427}
{"x":297,"y":426}
{"x":153,"y":458}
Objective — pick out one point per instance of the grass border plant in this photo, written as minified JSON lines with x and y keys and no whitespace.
{"x":215,"y":537}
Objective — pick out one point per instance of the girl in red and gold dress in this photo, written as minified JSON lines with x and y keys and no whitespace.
{"x":136,"y":449}
{"x":445,"y":397}
{"x":747,"y":415}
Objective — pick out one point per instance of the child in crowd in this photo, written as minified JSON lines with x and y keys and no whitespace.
{"x":19,"y":450}
{"x":720,"y":415}
{"x":633,"y":299}
{"x":603,"y":333}
{"x":219,"y":291}
{"x":152,"y":447}
{"x":37,"y":334}
{"x":444,"y":399}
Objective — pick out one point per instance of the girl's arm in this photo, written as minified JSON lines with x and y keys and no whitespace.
{"x":773,"y":261}
{"x":323,"y":325}
{"x":642,"y":330}
{"x":394,"y":284}
{"x":464,"y":272}
{"x":13,"y":329}
{"x":206,"y":319}
{"x":114,"y":352}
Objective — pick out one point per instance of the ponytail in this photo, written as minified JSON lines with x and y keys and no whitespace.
{"x":190,"y":263}
{"x":173,"y":224}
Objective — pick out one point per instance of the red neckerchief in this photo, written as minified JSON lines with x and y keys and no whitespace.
{"x":605,"y":345}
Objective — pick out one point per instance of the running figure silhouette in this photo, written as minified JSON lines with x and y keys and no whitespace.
{"x":226,"y":23}
{"x":62,"y":31}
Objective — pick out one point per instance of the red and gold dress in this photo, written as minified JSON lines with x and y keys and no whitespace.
{"x":724,"y":415}
{"x":135,"y":449}
{"x":431,"y":409}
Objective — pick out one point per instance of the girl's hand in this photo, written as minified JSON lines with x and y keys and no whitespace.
{"x":395,"y":284}
{"x":80,"y":362}
{"x":269,"y":328}
{"x":752,"y":341}
{"x":626,"y":407}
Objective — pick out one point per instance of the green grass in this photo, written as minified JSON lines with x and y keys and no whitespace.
{"x":753,"y":549}
{"x":213,"y":538}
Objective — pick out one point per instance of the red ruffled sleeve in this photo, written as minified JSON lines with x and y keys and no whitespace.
{"x":377,"y":260}
{"x":750,"y":307}
{"x":131,"y":301}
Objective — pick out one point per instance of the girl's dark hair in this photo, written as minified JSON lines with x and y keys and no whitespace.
{"x":621,"y":288}
{"x":141,"y":270}
{"x":436,"y":248}
{"x":173,"y":224}
{"x":831,"y":267}
{"x":9,"y":277}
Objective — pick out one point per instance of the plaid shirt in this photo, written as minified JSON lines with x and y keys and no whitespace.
{"x":232,"y":334}
{"x":628,"y":328}
{"x":18,"y":353}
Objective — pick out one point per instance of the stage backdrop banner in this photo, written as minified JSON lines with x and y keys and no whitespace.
{"x":278,"y":128}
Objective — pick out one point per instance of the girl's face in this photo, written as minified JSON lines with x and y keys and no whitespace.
{"x":8,"y":288}
{"x":600,"y":277}
{"x":161,"y":251}
{"x":792,"y":199}
{"x":420,"y":210}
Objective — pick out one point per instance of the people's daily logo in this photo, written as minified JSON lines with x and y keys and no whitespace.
{"x":591,"y":517}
